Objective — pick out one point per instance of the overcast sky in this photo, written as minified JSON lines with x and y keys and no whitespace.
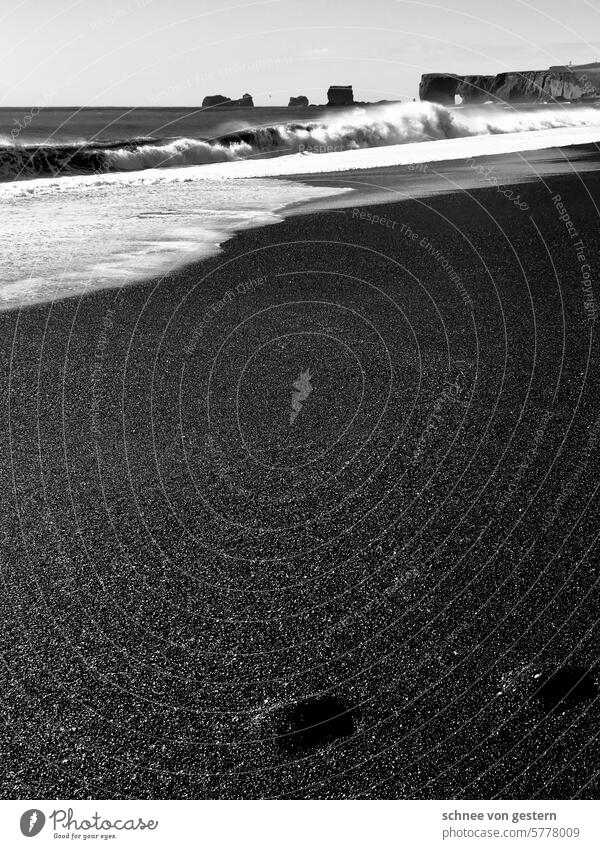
{"x":174,"y":52}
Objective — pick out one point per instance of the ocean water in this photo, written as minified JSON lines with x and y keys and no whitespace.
{"x":26,"y":124}
{"x":60,"y":145}
{"x":100,"y":234}
{"x":103,"y":198}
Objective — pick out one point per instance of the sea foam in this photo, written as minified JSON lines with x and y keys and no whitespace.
{"x":355,"y":129}
{"x":64,"y":236}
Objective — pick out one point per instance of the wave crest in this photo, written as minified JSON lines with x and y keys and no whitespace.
{"x":350,"y":130}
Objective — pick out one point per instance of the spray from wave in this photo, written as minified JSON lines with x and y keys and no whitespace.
{"x":352,"y":130}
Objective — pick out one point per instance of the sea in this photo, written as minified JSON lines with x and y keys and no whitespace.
{"x":103,"y":198}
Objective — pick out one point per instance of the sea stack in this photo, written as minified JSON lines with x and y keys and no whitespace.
{"x":301,"y":100}
{"x":340,"y":95}
{"x":221,"y":100}
{"x":214,"y":100}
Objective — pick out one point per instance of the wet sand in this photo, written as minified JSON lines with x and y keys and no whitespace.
{"x":183,"y":568}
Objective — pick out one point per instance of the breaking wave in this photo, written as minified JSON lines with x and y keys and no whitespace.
{"x":351,"y":130}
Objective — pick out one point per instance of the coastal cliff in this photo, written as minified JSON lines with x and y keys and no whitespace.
{"x":558,"y":83}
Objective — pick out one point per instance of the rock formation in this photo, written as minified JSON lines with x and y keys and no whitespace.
{"x":245,"y":100}
{"x":340,"y":95}
{"x":475,"y":89}
{"x":532,"y":86}
{"x":301,"y":100}
{"x":221,"y":100}
{"x":438,"y":88}
{"x":559,"y":83}
{"x":214,"y":100}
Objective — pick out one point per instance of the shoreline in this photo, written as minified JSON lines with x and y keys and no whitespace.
{"x":507,"y":172}
{"x":186,"y":567}
{"x":426,"y":179}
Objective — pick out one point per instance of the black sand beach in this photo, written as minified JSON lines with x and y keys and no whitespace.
{"x":182,"y":566}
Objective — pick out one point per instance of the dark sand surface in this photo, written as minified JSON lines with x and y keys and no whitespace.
{"x":421,"y":180}
{"x":181,"y":566}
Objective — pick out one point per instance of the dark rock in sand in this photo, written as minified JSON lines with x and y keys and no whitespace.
{"x":567,"y":688}
{"x":301,"y":100}
{"x":340,"y":95}
{"x":314,"y":723}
